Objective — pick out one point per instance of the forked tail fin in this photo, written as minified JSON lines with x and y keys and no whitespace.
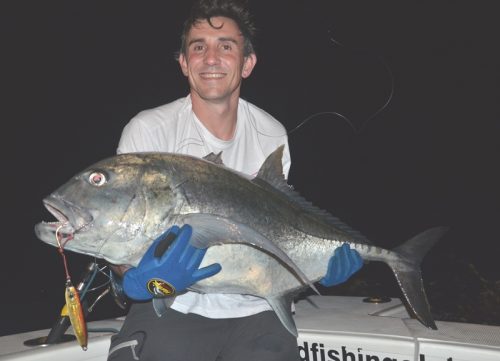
{"x":408,"y":273}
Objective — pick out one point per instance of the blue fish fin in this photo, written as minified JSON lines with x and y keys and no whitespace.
{"x":160,"y":304}
{"x":210,"y":230}
{"x":282,"y":306}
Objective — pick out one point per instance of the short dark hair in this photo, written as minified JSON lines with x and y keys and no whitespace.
{"x":235,"y":10}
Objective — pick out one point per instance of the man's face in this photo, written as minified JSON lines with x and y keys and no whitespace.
{"x":214,"y":61}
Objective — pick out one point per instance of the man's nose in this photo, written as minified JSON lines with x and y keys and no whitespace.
{"x":211,"y":56}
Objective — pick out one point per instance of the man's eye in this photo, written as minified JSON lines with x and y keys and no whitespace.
{"x":198,"y":48}
{"x":226,"y":47}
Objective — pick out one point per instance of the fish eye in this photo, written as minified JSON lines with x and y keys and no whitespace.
{"x":97,"y":179}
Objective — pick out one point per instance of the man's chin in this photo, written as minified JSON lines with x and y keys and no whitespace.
{"x":215,"y":96}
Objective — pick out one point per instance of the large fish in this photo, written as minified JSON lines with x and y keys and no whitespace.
{"x":269,"y":241}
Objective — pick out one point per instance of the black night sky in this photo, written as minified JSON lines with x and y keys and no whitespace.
{"x":74,"y":72}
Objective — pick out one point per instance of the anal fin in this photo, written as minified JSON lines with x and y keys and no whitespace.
{"x":282,"y":306}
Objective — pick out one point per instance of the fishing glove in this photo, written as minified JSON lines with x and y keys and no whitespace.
{"x":169,"y":266}
{"x":343,"y":264}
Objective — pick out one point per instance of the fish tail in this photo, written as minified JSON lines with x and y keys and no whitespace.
{"x":408,"y":274}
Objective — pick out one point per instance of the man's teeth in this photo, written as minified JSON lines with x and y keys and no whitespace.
{"x":212,"y":75}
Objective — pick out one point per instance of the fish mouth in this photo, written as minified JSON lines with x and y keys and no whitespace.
{"x":71,"y":220}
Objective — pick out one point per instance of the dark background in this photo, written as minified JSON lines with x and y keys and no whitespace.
{"x":74,"y":72}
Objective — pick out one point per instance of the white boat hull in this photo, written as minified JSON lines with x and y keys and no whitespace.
{"x":331,"y":328}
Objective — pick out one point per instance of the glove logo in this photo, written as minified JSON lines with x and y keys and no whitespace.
{"x":159,"y":288}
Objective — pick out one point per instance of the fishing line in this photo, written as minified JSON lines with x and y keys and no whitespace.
{"x":92,"y":278}
{"x":387,"y":69}
{"x":61,"y":252}
{"x":98,"y":298}
{"x":347,"y":120}
{"x":337,"y":114}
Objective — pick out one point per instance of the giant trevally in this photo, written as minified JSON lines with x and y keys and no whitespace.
{"x":270,"y":241}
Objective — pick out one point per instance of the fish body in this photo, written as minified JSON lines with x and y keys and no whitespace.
{"x":270,"y":242}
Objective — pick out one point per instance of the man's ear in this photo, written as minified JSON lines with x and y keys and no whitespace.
{"x":183,"y":64}
{"x":248,"y":65}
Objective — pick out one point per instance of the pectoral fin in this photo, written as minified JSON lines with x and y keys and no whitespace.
{"x":209,"y":230}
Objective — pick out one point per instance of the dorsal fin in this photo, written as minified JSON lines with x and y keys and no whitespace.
{"x":271,"y":170}
{"x":214,"y":158}
{"x":271,"y":174}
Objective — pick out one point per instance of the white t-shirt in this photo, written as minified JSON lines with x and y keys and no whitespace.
{"x":175,"y":128}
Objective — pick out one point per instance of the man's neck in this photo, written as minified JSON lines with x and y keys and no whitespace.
{"x":218,"y":117}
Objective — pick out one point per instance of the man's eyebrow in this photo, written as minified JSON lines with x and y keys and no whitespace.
{"x":198,"y":40}
{"x":222,"y":38}
{"x":232,"y":40}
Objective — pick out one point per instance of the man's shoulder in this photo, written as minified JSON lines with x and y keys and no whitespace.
{"x":264,"y":119}
{"x":154,"y":129}
{"x":163,"y":113}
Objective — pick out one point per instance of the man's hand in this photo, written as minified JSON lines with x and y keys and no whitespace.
{"x":343,"y":264}
{"x":169,"y":266}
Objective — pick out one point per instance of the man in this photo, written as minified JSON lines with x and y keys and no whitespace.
{"x":216,"y":54}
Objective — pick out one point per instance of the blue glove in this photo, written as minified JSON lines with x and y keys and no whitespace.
{"x":165,"y":272}
{"x":343,"y":264}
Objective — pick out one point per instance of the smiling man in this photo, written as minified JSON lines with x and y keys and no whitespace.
{"x":215,"y":62}
{"x":216,"y":55}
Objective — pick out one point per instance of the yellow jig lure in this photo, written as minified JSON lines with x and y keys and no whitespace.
{"x":73,"y":308}
{"x":75,"y":313}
